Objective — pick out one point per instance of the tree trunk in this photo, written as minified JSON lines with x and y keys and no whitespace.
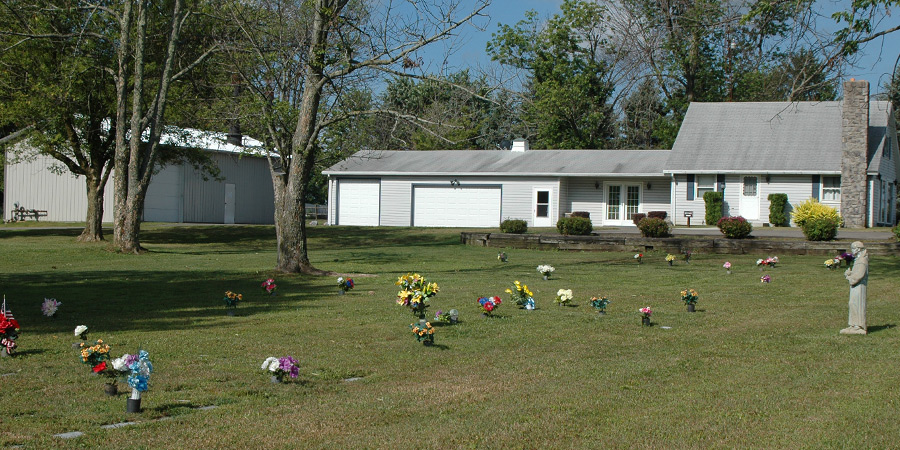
{"x":290,"y":230}
{"x":93,"y":226}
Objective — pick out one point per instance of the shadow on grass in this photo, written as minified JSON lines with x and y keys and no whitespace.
{"x":26,"y":353}
{"x":877,"y":328}
{"x":42,"y":232}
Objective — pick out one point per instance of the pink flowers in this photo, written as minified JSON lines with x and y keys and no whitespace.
{"x":269,"y":286}
{"x":765,"y":279}
{"x":727,"y":265}
{"x":646,"y":311}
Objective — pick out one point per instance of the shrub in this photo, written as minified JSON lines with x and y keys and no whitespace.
{"x":735,"y":227}
{"x":515,"y":226}
{"x":812,"y":209}
{"x":820,"y":229}
{"x":713,"y":202}
{"x":654,"y":227}
{"x":578,"y":226}
{"x":777,"y":203}
{"x":658,"y":214}
{"x":896,"y":231}
{"x":584,"y":214}
{"x":637,"y":217}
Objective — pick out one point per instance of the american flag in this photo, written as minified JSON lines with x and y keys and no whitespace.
{"x":5,"y":311}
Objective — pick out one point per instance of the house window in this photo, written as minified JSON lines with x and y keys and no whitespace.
{"x":705,"y":183}
{"x":831,"y":189}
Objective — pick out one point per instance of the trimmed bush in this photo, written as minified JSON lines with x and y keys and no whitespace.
{"x":658,"y":214}
{"x":812,"y":209}
{"x":777,"y":203}
{"x":514,"y":226}
{"x":584,"y":214}
{"x":713,"y":201}
{"x":637,"y":217}
{"x":577,"y":226}
{"x":820,"y":229}
{"x":654,"y":227}
{"x":735,"y":227}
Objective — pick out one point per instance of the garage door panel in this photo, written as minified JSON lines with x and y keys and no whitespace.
{"x":467,"y":206}
{"x":358,"y":202}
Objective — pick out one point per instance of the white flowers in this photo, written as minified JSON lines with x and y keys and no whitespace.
{"x":120,"y":364}
{"x":545,"y":269}
{"x":50,"y":306}
{"x":271,"y":364}
{"x":563,"y":296}
{"x":80,"y":330}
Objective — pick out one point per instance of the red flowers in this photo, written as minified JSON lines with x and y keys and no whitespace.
{"x":100,"y":367}
{"x":489,"y":304}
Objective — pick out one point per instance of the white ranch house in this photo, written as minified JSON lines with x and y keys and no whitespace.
{"x":177,"y":193}
{"x":843,"y":153}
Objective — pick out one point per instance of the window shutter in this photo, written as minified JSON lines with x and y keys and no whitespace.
{"x":816,"y":186}
{"x":690,"y":187}
{"x":720,"y":180}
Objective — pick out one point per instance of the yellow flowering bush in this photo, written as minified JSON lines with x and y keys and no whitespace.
{"x":811,"y":210}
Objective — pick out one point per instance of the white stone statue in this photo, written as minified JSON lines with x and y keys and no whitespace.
{"x":858,"y":276}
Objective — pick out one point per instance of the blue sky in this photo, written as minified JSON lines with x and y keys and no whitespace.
{"x":875,"y":65}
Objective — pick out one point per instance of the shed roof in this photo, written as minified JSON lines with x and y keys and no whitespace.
{"x":768,"y":137}
{"x":504,"y":163}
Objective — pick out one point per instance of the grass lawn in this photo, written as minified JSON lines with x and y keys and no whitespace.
{"x":757,"y":366}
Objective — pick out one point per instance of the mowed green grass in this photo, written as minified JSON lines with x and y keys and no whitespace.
{"x":757,"y":366}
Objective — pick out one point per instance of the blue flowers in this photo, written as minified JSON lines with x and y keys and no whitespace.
{"x":141,"y":368}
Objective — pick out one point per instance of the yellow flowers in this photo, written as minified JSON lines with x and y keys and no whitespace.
{"x":415,"y":291}
{"x":232,"y":298}
{"x":424,"y":333}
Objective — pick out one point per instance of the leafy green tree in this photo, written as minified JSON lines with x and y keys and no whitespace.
{"x":567,"y":98}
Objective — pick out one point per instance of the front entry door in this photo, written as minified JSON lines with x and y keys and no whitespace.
{"x":750,"y":198}
{"x":622,"y":202}
{"x":541,"y":208}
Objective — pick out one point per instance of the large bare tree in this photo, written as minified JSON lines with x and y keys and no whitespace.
{"x":299,"y":60}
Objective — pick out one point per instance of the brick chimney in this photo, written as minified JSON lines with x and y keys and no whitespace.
{"x":854,"y":152}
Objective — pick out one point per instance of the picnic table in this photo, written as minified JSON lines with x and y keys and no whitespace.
{"x":21,"y":213}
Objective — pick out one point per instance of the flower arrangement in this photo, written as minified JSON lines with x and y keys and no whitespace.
{"x":521,"y":294}
{"x":269,"y":286}
{"x":281,"y":367}
{"x":727,"y":267}
{"x":9,"y":331}
{"x":765,"y":279}
{"x":846,"y":256}
{"x":638,"y":257}
{"x":689,"y":296}
{"x":563,"y":296}
{"x":50,"y":306}
{"x":97,"y":357}
{"x":489,"y":304}
{"x":770,"y":261}
{"x":415,"y":292}
{"x":502,"y":257}
{"x":345,"y":284}
{"x":81,"y":332}
{"x":546,"y":270}
{"x":424,"y":333}
{"x":831,"y":263}
{"x":687,"y":255}
{"x":670,"y":258}
{"x":231,"y":299}
{"x":139,"y":368}
{"x":600,"y":303}
{"x":645,"y":317}
{"x":442,"y":316}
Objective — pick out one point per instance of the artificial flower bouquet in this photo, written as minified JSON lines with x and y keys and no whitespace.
{"x":281,"y":367}
{"x":727,"y":267}
{"x":49,"y":307}
{"x":689,"y":296}
{"x":9,"y":331}
{"x":502,"y":257}
{"x":546,"y":270}
{"x":831,"y":264}
{"x":687,"y":256}
{"x":646,"y":312}
{"x":765,"y":279}
{"x":521,"y":294}
{"x":638,"y":257}
{"x":846,"y":256}
{"x":770,"y":261}
{"x":81,"y":332}
{"x":414,"y":293}
{"x":231,"y":299}
{"x":269,"y":286}
{"x":563,"y":296}
{"x":97,"y":357}
{"x":489,"y":304}
{"x":670,"y":258}
{"x":138,"y":367}
{"x":345,"y":284}
{"x":424,"y":333}
{"x":600,"y":303}
{"x":442,"y":316}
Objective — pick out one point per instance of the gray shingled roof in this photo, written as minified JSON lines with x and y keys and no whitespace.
{"x":770,"y":137}
{"x":504,"y":162}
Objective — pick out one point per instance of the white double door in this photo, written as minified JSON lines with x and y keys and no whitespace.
{"x":623,"y":200}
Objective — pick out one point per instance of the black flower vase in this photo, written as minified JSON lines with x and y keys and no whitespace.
{"x":134,"y":405}
{"x":111,"y":389}
{"x":645,"y":321}
{"x":690,"y":307}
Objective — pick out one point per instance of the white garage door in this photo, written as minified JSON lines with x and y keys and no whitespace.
{"x":358,"y":202}
{"x":466,"y":206}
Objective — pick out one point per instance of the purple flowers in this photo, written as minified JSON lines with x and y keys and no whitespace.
{"x":288,"y":365}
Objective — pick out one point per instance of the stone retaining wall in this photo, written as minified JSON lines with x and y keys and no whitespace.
{"x":671,"y":245}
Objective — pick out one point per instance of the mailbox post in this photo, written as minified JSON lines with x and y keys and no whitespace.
{"x":689,"y":214}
